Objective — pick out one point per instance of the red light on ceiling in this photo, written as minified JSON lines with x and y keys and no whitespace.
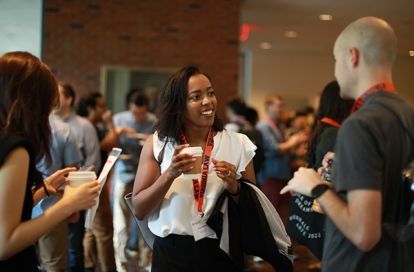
{"x":244,"y":32}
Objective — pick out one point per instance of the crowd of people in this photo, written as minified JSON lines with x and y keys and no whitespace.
{"x":197,"y":206}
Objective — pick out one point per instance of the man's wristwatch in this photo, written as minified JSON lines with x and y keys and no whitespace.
{"x":319,"y":189}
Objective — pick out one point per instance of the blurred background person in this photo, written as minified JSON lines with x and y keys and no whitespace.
{"x":137,"y":124}
{"x":299,"y":124}
{"x":242,"y":118}
{"x":236,"y":114}
{"x":277,"y":166}
{"x":332,"y":111}
{"x":64,"y":151}
{"x":98,"y":241}
{"x":88,"y":143}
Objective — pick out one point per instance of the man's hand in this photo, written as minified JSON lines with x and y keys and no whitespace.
{"x":303,"y":181}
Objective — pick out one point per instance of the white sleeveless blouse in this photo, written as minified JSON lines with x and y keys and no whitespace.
{"x":178,"y":209}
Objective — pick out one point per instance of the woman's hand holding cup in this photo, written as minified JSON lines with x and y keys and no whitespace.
{"x":82,"y":191}
{"x":57,"y":180}
{"x":181,"y":162}
{"x":82,"y":197}
{"x":196,"y":153}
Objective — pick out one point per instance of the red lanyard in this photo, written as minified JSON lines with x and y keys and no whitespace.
{"x":199,"y":188}
{"x":384,"y":86}
{"x":330,"y":122}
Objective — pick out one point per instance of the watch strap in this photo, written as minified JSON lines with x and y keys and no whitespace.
{"x":319,"y":189}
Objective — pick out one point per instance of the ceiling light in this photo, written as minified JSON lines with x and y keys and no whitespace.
{"x":325,"y":17}
{"x":411,"y":53}
{"x":266,"y":45}
{"x":291,"y":34}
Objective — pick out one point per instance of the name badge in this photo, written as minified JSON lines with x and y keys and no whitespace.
{"x":201,"y":229}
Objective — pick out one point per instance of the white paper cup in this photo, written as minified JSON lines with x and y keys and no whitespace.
{"x":80,"y":177}
{"x":197,"y":152}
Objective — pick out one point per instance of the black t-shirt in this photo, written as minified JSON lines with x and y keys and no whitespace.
{"x":371,"y":150}
{"x":25,"y":260}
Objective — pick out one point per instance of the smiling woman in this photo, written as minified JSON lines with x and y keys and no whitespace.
{"x":176,"y":201}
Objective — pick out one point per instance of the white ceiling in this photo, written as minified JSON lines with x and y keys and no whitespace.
{"x":271,"y":18}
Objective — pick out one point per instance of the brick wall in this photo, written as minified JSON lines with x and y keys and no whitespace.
{"x":80,"y":36}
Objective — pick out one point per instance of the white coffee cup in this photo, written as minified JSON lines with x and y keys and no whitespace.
{"x":197,"y":153}
{"x":80,"y":177}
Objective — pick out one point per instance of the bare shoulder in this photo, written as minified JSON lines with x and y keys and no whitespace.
{"x":17,"y":156}
{"x":148,"y":148}
{"x":148,"y":168}
{"x":15,"y":168}
{"x":13,"y":177}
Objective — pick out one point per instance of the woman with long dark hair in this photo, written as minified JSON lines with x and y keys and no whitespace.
{"x":331,"y":112}
{"x":175,"y":197}
{"x":28,"y":92}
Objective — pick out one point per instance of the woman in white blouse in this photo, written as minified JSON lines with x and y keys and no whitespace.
{"x":177,"y":192}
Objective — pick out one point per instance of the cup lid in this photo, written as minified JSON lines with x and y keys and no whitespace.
{"x":82,"y":175}
{"x":193,"y":150}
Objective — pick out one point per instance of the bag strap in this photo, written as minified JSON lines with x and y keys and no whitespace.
{"x":405,"y":185}
{"x":400,"y":120}
{"x":160,"y":157}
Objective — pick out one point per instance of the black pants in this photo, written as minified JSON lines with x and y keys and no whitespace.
{"x":181,"y":253}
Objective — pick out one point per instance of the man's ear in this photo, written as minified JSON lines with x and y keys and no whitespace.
{"x":355,"y":56}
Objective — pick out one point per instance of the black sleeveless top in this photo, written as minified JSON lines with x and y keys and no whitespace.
{"x":25,"y":260}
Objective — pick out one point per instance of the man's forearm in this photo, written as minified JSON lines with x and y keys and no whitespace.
{"x":359,"y":219}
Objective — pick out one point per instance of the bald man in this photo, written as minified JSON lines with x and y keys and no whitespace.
{"x":372,"y":148}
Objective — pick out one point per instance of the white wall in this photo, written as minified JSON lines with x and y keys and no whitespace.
{"x":299,"y":78}
{"x":404,"y":78}
{"x":21,"y":26}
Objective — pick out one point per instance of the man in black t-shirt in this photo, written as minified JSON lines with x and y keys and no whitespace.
{"x":372,"y":149}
